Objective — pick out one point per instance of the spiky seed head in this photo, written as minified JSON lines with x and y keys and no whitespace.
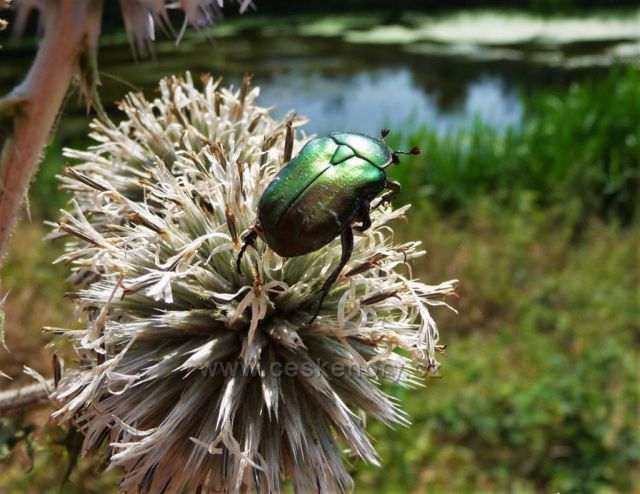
{"x":191,"y":376}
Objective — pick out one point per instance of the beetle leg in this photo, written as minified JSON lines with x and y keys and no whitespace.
{"x":363,"y":216}
{"x":347,"y":249}
{"x":249,"y":240}
{"x":394,"y":190}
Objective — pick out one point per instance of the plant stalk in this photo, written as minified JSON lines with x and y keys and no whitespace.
{"x":28,"y":114}
{"x":24,"y":399}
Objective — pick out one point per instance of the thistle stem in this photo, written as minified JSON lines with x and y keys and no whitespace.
{"x":28,"y":114}
{"x":24,"y":399}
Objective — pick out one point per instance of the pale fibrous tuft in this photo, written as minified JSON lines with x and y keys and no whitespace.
{"x":142,"y":18}
{"x":191,"y":377}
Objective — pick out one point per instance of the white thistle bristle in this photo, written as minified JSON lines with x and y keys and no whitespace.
{"x":191,"y":376}
{"x":142,"y":16}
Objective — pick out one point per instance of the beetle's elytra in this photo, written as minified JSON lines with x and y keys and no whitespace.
{"x":319,"y":194}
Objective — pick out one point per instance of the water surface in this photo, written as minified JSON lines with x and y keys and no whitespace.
{"x":363,"y":73}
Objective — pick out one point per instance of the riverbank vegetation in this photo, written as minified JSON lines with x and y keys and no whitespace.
{"x":539,"y":391}
{"x":576,"y":151}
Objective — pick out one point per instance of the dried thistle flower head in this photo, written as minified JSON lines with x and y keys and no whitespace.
{"x":191,"y":375}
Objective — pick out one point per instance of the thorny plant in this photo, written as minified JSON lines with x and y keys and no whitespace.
{"x":159,"y":206}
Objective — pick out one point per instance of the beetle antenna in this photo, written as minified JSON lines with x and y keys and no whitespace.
{"x":384,"y":133}
{"x":414,"y":150}
{"x":395,"y":158}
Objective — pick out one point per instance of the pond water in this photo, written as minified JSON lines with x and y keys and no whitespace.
{"x":367,"y":73}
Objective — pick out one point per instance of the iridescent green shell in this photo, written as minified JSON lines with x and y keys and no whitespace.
{"x":319,"y":192}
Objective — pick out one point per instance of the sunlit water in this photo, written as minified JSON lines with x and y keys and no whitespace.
{"x":385,"y":97}
{"x":389,"y":98}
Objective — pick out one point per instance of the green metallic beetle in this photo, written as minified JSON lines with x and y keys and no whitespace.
{"x":320,"y":193}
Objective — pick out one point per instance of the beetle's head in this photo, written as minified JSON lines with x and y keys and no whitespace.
{"x":395,"y":155}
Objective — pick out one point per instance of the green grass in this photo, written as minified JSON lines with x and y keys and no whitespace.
{"x":538,"y":391}
{"x":579,"y":148}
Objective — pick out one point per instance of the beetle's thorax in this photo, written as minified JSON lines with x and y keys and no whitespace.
{"x":373,"y":150}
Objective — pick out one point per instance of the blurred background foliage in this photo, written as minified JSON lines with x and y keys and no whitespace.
{"x":578,"y":148}
{"x":527,"y":192}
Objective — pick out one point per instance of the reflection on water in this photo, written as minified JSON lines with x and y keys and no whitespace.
{"x":387,"y":97}
{"x":337,"y":84}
